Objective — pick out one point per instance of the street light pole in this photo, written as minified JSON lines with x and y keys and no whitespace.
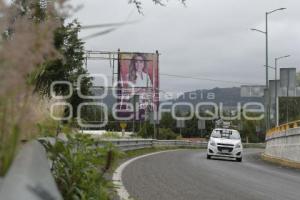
{"x":267,"y":75}
{"x":267,"y":64}
{"x":267,"y":53}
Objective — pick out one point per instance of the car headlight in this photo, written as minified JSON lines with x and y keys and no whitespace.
{"x":212,"y":143}
{"x":238,"y":145}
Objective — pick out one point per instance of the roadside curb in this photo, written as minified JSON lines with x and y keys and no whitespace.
{"x":117,"y":175}
{"x":280,"y":161}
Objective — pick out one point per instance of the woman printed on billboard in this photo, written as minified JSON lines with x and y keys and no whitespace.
{"x":138,"y":72}
{"x":139,"y":77}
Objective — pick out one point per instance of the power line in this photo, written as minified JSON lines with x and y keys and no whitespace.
{"x":205,"y":79}
{"x":107,"y":25}
{"x":114,"y":26}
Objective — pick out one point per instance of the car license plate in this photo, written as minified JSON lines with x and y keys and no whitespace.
{"x":225,"y":151}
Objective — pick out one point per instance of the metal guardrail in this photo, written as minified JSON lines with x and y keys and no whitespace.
{"x":277,"y":131}
{"x":29,"y":177}
{"x":128,"y":144}
{"x":134,"y":144}
{"x":180,"y":143}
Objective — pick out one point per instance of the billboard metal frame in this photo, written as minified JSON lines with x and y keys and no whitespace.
{"x":113,"y":57}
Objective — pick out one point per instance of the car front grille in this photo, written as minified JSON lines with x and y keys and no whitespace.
{"x":227,"y":145}
{"x":221,"y":149}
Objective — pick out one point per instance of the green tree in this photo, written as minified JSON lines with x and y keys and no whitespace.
{"x":66,"y":68}
{"x":251,"y":130}
{"x":138,"y":3}
{"x":146,"y":130}
{"x":298,"y":79}
{"x":67,"y":65}
{"x":167,"y":121}
{"x":289,"y":109}
{"x":166,"y":134}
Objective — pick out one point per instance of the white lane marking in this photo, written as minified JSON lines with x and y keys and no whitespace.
{"x":117,"y":176}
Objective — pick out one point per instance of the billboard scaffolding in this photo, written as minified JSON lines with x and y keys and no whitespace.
{"x":135,"y":81}
{"x":138,"y":83}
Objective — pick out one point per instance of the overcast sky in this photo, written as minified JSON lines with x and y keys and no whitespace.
{"x":207,"y":38}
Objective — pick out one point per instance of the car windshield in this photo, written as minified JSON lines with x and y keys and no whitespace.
{"x":228,"y":134}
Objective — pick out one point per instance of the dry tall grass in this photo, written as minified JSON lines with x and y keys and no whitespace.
{"x":27,"y":42}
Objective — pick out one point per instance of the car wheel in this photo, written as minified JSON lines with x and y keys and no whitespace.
{"x":208,"y":156}
{"x":239,"y":159}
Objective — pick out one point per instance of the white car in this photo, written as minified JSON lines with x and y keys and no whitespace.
{"x":225,"y":143}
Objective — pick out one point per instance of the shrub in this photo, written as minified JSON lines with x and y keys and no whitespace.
{"x":166,"y":134}
{"x":111,"y":135}
{"x":79,"y":167}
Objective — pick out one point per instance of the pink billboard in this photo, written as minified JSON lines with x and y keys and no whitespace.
{"x":138,"y":83}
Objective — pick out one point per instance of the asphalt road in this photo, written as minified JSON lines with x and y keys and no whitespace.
{"x":188,"y":175}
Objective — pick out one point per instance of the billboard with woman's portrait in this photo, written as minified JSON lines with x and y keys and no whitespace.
{"x":139,"y":82}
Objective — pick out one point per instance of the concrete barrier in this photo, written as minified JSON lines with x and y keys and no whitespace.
{"x":283,"y":146}
{"x":255,"y":145}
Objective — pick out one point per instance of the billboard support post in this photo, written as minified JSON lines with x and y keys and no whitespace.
{"x":119,"y":77}
{"x":155,"y":96}
{"x":287,"y":98}
{"x":135,"y":100}
{"x":276,"y":95}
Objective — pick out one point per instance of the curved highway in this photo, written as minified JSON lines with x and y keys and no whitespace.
{"x":188,"y":175}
